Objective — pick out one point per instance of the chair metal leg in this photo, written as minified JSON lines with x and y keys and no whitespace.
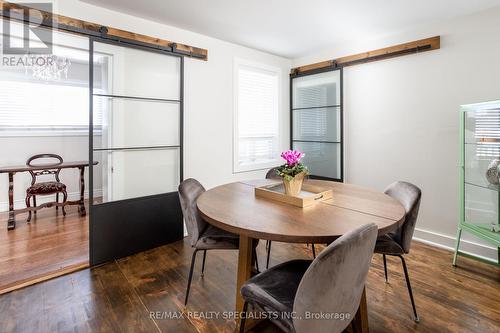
{"x":256,"y":260}
{"x":34,"y":203}
{"x":385,"y":268}
{"x":267,"y":243}
{"x":314,"y":250}
{"x":203,"y":264}
{"x":268,"y":254}
{"x":57,"y":200}
{"x":193,"y":259}
{"x":408,"y":284}
{"x":243,"y":315}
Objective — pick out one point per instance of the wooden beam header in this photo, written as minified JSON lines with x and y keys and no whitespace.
{"x":13,"y":11}
{"x":417,"y":46}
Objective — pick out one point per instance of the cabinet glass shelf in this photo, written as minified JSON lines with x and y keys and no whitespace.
{"x":489,"y":187}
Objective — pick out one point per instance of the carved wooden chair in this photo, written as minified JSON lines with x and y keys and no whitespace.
{"x":48,"y":187}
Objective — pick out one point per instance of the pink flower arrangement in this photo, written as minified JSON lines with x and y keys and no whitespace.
{"x":292,"y":157}
{"x":292,"y":167}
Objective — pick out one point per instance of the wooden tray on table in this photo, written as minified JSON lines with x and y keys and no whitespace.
{"x":308,"y":196}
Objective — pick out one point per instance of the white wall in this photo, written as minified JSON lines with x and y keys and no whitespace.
{"x":208,"y":96}
{"x":401,"y":115}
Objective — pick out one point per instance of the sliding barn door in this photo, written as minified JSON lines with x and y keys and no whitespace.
{"x":136,"y":122}
{"x":316,"y":119}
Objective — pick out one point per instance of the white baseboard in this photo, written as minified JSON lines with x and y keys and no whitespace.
{"x":20,"y":203}
{"x":447,"y":242}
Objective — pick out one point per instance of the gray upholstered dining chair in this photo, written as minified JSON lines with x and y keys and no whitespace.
{"x":398,"y":243}
{"x":271,"y":174}
{"x":203,"y":236}
{"x":332,"y":283}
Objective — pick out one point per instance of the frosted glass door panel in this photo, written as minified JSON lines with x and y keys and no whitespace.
{"x":322,"y":159}
{"x":317,"y":124}
{"x":317,"y":90}
{"x":136,"y":123}
{"x":126,"y":71}
{"x":138,"y":173}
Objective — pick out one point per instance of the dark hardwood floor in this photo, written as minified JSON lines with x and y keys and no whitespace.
{"x":119,"y":296}
{"x":51,"y":244}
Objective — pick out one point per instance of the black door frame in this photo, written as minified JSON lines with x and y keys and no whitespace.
{"x":159,"y":199}
{"x":314,"y":72}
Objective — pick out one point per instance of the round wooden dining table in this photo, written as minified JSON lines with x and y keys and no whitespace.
{"x":235,"y":208}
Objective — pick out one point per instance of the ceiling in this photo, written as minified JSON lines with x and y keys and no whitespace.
{"x":294,"y":28}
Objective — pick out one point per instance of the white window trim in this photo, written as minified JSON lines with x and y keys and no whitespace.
{"x":237,"y":168}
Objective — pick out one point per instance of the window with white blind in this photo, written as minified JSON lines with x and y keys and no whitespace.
{"x":37,"y":108}
{"x":256,"y":116}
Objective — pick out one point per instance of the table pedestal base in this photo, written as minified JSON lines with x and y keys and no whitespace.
{"x":360,"y":321}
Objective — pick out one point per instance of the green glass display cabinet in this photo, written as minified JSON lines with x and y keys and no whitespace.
{"x":479,"y":175}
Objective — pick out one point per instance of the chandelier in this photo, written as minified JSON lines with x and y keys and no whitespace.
{"x":48,"y":67}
